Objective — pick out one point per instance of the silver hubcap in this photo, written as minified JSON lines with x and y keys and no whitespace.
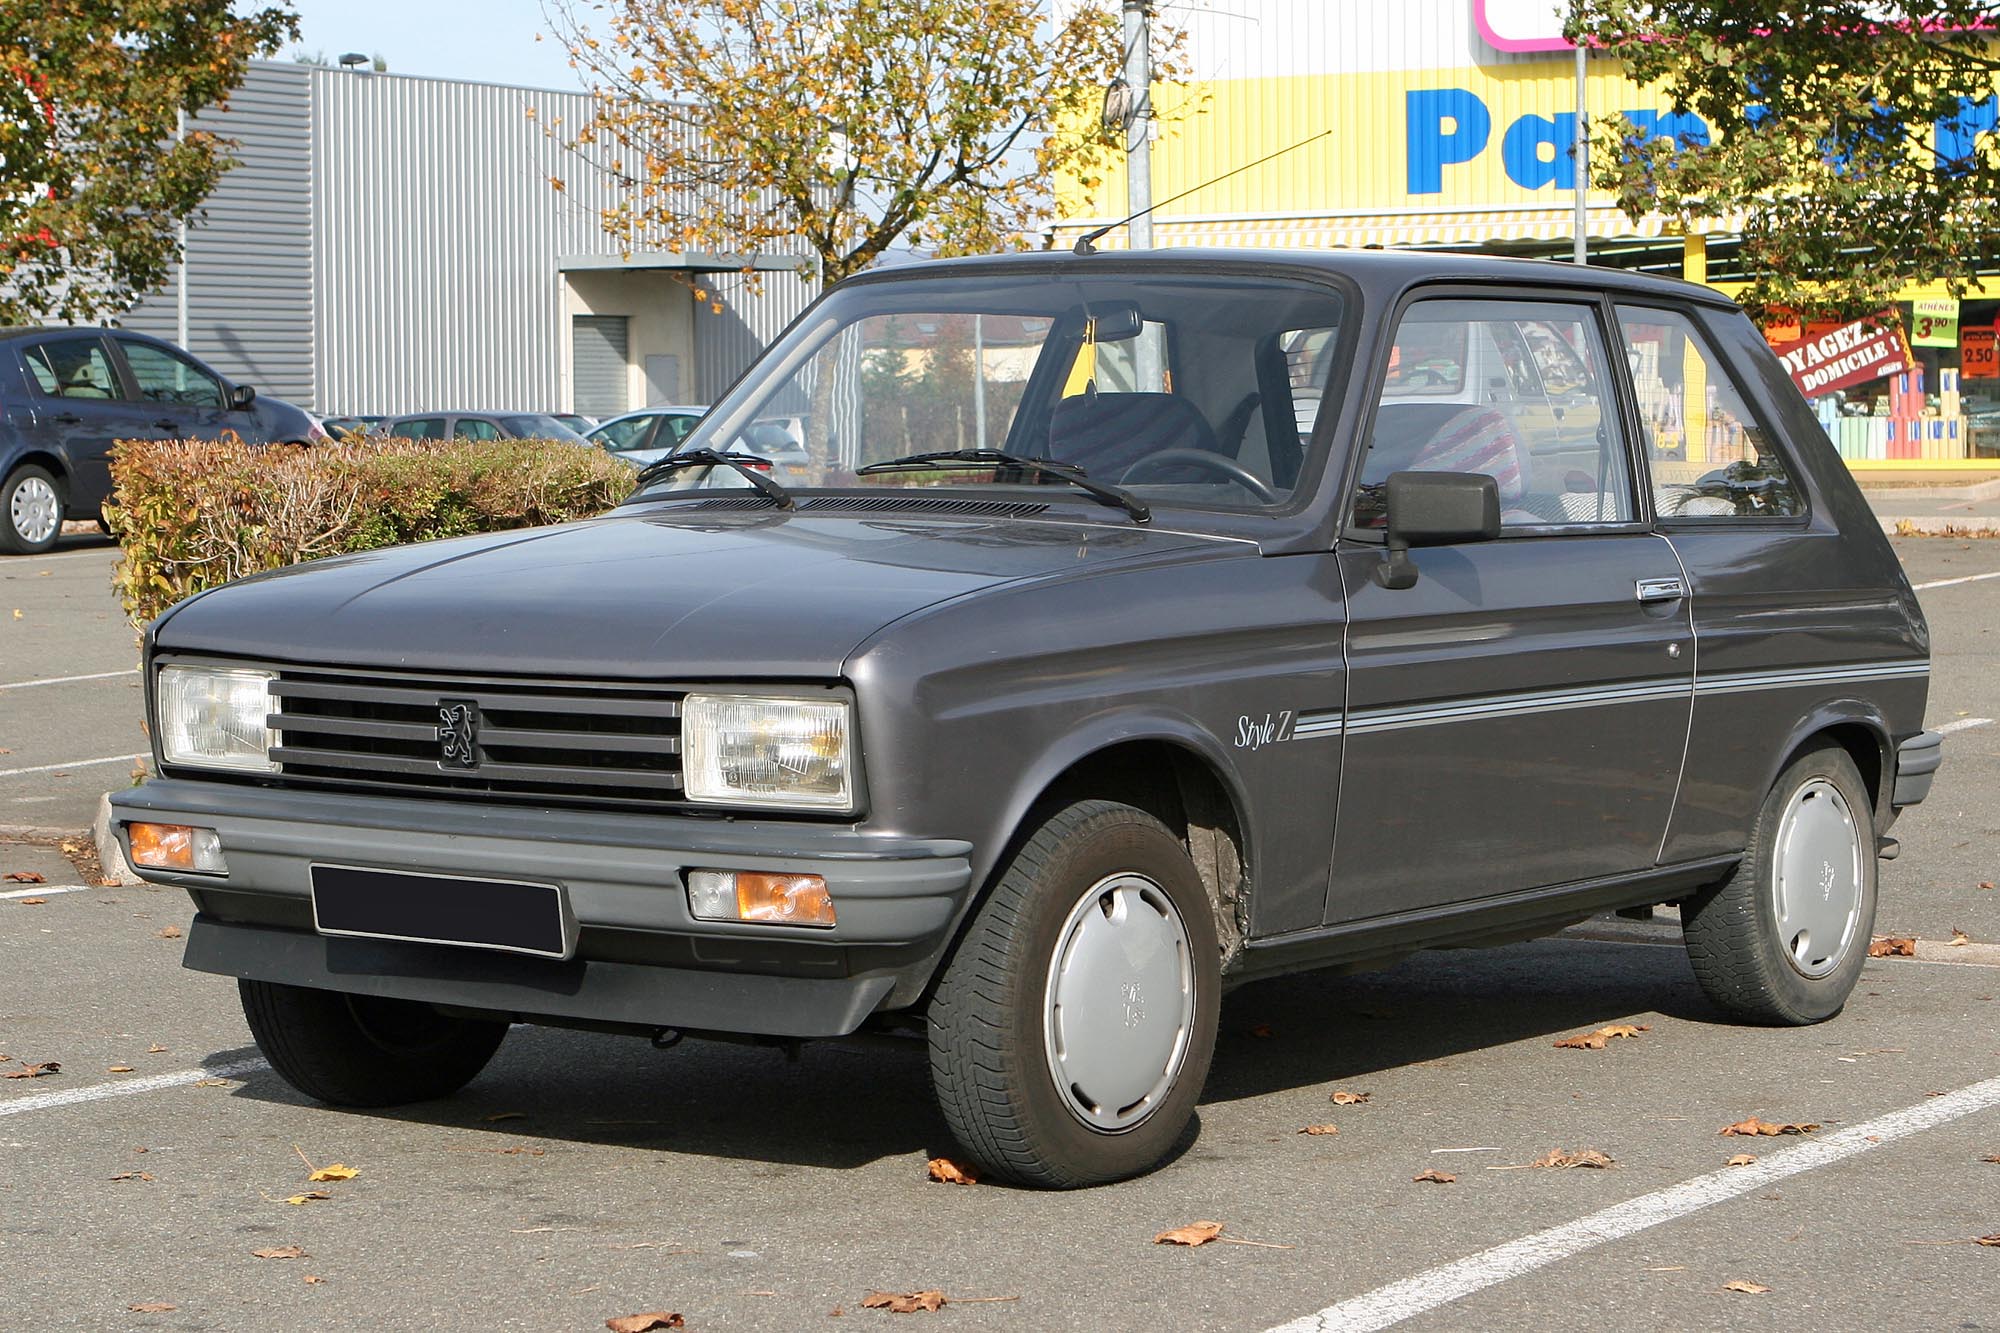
{"x":33,"y":510}
{"x":1817,"y":886}
{"x":1120,"y":1002}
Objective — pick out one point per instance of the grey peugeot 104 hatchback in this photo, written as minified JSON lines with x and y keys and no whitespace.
{"x":1133,"y":627}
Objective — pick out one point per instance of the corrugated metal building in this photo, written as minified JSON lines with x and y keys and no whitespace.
{"x":391,"y":244}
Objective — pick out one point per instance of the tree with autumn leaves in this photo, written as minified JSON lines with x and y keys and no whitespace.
{"x":1850,"y":143}
{"x":748,"y":127}
{"x":94,"y":178}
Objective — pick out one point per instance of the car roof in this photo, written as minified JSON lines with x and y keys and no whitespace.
{"x":1377,"y":272}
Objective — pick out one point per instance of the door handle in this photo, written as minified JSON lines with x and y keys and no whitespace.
{"x":165,"y":425}
{"x":1661,"y":590}
{"x":67,"y":419}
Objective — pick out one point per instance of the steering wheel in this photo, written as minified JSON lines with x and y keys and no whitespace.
{"x":1202,"y":458}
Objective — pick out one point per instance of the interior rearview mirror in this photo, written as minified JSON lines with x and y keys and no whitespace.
{"x":1115,"y":323}
{"x":1435,"y":509}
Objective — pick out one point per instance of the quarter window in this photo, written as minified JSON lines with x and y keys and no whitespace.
{"x":164,"y":377}
{"x":1709,"y":456}
{"x":1512,"y":389}
{"x":71,"y":368}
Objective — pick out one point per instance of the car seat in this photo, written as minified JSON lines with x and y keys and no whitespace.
{"x":1103,"y":434}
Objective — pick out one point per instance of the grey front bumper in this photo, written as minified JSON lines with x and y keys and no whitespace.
{"x":1917,"y":761}
{"x":641,"y":956}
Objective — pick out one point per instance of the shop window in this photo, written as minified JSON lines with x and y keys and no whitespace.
{"x":1709,"y":456}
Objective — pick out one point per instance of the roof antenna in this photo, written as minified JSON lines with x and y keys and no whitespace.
{"x":1084,"y":243}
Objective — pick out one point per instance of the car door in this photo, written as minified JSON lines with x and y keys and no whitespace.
{"x":81,"y":408}
{"x":189,"y":401}
{"x":1518,"y":717}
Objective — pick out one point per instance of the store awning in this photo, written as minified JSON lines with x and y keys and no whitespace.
{"x":691,"y":261}
{"x":1453,"y":227}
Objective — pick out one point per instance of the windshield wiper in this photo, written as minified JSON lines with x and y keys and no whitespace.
{"x":1103,"y":492}
{"x":660,"y":467}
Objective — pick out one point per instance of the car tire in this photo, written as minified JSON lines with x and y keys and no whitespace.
{"x":1783,"y":939}
{"x":1073,"y":1027}
{"x":365,"y":1050}
{"x":31,"y":505}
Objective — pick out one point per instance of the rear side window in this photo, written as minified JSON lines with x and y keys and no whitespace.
{"x":71,"y":368}
{"x":420,"y":428}
{"x":1710,"y":458}
{"x":1516,"y":390}
{"x":473,"y":428}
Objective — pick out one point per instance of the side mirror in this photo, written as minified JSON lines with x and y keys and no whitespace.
{"x":1435,"y":509}
{"x":242,"y":396}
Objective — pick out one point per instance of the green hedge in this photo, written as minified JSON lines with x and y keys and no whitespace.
{"x":191,"y":514}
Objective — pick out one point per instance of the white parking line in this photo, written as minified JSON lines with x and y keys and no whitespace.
{"x":49,"y":1101}
{"x":1969,"y":578}
{"x":74,"y":763}
{"x":45,"y":891}
{"x":65,"y":680}
{"x":1962,"y":724}
{"x":1444,"y":1284}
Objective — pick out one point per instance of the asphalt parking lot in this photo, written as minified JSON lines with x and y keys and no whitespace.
{"x":583,"y":1177}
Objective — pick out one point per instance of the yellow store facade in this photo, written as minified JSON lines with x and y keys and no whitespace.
{"x":1452,"y":124}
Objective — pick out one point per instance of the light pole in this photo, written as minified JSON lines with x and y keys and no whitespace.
{"x":1139,"y":124}
{"x":1581,"y":251}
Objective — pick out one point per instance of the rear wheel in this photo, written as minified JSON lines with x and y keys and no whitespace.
{"x":1072,"y":1030}
{"x":364,"y":1050}
{"x":1784,"y":938}
{"x":30,"y":511}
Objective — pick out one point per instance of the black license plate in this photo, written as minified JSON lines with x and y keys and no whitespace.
{"x":443,"y":909}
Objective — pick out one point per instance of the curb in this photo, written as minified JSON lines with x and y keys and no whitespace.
{"x":1977,"y":526}
{"x":1978,"y":490}
{"x":110,"y":856}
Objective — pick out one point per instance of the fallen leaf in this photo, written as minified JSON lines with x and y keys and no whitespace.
{"x":1959,"y":937}
{"x":1194,"y":1233}
{"x":903,"y":1302}
{"x":1891,"y":946}
{"x":1753,"y":1127}
{"x":118,"y":1069}
{"x":1985,"y":883}
{"x":279,"y":1252}
{"x":1564,"y":1159}
{"x":1434,"y":1177}
{"x":132,"y":1175}
{"x":313,"y":1279}
{"x":310,"y":1196}
{"x":1348,"y":1098}
{"x":1992,"y":1240}
{"x":41,"y":1070}
{"x":1262,"y":1030}
{"x":1741,"y":1159}
{"x":25,"y":877}
{"x":950,"y":1172}
{"x":1749,"y":1288}
{"x":156,"y":1049}
{"x":1994,"y":1158}
{"x":168,"y":932}
{"x":334,"y":1171}
{"x":504,"y":1115}
{"x":639,"y":1323}
{"x":1594,"y":1041}
{"x":1320,"y":1129}
{"x":34,"y":902}
{"x":211,"y":1083}
{"x":151,"y":1307}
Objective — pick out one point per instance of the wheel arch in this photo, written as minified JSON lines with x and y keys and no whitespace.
{"x":1858,"y":728}
{"x":44,"y":459}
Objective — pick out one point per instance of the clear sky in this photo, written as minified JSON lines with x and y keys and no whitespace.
{"x":490,"y":40}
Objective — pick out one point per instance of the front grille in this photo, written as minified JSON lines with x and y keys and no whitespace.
{"x":564,"y":742}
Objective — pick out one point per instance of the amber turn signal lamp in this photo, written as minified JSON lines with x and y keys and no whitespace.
{"x":176,"y":847}
{"x":768,"y":899}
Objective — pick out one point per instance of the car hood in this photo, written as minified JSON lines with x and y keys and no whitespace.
{"x":671,"y":592}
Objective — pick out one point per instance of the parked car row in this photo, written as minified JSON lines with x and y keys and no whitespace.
{"x":67,"y":394}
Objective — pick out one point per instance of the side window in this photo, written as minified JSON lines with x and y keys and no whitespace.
{"x":420,"y":428}
{"x":1709,"y":456}
{"x":1516,"y":390}
{"x":72,"y":368}
{"x":631,"y":433}
{"x":474,"y":428}
{"x":676,"y":429}
{"x":164,"y":377}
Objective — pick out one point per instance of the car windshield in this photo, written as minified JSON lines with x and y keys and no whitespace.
{"x":538,"y":426}
{"x":1184,"y":388}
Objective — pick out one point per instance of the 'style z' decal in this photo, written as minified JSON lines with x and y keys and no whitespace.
{"x":1254,"y":733}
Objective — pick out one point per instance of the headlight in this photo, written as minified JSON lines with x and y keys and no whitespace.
{"x":745,"y":749}
{"x":213,"y":717}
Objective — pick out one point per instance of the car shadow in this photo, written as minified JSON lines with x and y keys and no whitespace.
{"x":846,"y":1104}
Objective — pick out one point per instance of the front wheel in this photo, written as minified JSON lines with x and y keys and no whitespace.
{"x":1782,"y":940}
{"x":363,"y":1050}
{"x":1072,"y":1030}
